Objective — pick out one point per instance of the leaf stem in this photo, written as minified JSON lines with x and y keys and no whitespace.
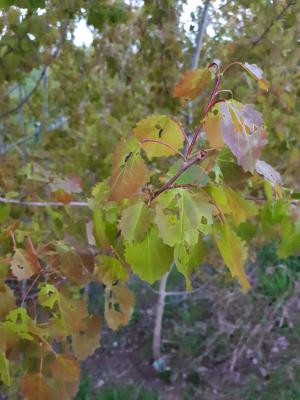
{"x":207,"y":108}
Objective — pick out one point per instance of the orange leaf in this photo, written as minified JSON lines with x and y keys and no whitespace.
{"x":192,"y":83}
{"x":65,"y":369}
{"x":35,"y":387}
{"x":129,"y":171}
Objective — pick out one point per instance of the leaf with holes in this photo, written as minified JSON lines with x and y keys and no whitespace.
{"x":212,"y":126}
{"x":193,"y":83}
{"x":180,"y":216}
{"x":48,"y":295}
{"x":87,"y":340}
{"x":119,"y":302}
{"x":21,"y":266}
{"x":129,"y":171}
{"x":243,"y":132}
{"x":188,"y":258}
{"x":19,"y":322}
{"x":160,"y":128}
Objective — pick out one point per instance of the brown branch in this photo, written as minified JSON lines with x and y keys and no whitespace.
{"x":265,"y":32}
{"x":200,"y":156}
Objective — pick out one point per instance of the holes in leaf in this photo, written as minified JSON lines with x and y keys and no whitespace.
{"x":160,"y":130}
{"x":117,"y":307}
{"x":204,"y":220}
{"x":127,"y":157}
{"x":215,"y":111}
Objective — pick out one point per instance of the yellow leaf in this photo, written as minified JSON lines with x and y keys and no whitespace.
{"x":233,"y":252}
{"x":118,"y":306}
{"x":86,"y":341}
{"x":163,"y":129}
{"x":212,"y":128}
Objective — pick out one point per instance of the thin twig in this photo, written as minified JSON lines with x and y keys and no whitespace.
{"x":265,"y":32}
{"x":43,"y":203}
{"x":200,"y":156}
{"x":39,"y":80}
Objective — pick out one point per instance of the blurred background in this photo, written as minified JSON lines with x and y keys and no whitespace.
{"x":76,"y":76}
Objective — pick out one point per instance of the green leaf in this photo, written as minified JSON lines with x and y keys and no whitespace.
{"x":4,"y":369}
{"x":181,"y":215}
{"x":19,"y":322}
{"x":193,"y":175}
{"x":187,"y":259}
{"x":162,"y":128}
{"x":110,"y":270}
{"x":290,"y":243}
{"x":135,"y":221}
{"x":99,"y":229}
{"x":151,"y":258}
{"x":232,"y":202}
{"x":233,"y":252}
{"x":48,"y":295}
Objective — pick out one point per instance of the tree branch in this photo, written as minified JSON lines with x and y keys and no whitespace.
{"x":200,"y":156}
{"x":200,"y":36}
{"x":265,"y":32}
{"x":43,"y":203}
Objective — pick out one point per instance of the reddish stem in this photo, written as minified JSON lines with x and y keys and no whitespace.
{"x":200,"y":156}
{"x":207,"y":108}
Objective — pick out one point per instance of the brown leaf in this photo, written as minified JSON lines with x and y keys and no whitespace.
{"x":35,"y":387}
{"x":118,"y":306}
{"x":192,"y":83}
{"x":20,"y":265}
{"x":129,"y":171}
{"x":7,"y":300}
{"x":65,"y":368}
{"x":87,"y":340}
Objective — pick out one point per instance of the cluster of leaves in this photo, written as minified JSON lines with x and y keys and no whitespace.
{"x":142,"y":223}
